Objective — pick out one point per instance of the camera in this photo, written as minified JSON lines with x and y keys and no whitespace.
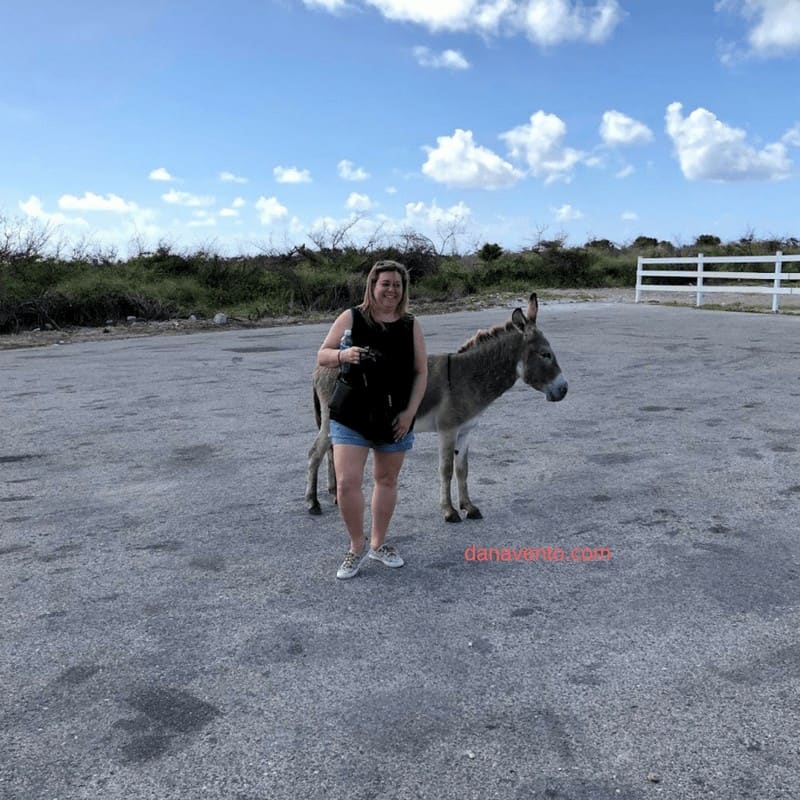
{"x":370,"y":354}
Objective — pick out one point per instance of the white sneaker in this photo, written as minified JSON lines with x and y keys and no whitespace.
{"x":387,"y":555}
{"x":351,"y":564}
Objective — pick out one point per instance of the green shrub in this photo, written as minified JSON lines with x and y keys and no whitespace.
{"x":449,"y":282}
{"x":614,"y":271}
{"x":490,"y":252}
{"x":38,"y":289}
{"x":567,"y":268}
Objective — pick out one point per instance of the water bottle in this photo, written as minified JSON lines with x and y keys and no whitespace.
{"x":346,"y":341}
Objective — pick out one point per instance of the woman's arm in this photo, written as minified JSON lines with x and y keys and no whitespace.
{"x":329,"y":355}
{"x":405,"y":418}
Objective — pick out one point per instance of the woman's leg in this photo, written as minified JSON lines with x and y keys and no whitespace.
{"x":349,"y":461}
{"x":386,"y":470}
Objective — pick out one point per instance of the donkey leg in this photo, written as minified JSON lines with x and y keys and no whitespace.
{"x":315,"y":455}
{"x":447,"y":445}
{"x":462,"y":472}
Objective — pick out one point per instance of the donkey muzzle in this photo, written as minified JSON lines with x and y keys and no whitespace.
{"x":557,"y":390}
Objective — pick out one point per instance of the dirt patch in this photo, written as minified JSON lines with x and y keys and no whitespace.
{"x":136,"y":330}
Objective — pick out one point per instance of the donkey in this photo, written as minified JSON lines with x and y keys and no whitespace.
{"x":461,"y":386}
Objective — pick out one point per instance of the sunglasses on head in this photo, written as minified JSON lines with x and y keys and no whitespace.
{"x":389,"y":268}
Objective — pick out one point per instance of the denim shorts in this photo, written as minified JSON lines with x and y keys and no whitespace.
{"x":341,"y":434}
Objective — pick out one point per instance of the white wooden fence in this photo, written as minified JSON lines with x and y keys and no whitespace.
{"x":740,"y":282}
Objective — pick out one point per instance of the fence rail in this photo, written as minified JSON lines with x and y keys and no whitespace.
{"x":700,"y":275}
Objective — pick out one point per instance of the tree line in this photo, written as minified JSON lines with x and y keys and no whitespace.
{"x":45,"y":282}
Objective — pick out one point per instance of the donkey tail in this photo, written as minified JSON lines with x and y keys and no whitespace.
{"x":317,"y":408}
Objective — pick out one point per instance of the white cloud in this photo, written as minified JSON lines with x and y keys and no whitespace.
{"x":391,"y":190}
{"x":447,"y":59}
{"x":552,"y":22}
{"x":545,"y":22}
{"x":457,"y":161}
{"x":489,"y":16}
{"x":421,"y":215}
{"x":201,"y":219}
{"x":540,"y":144}
{"x":567,"y":213}
{"x":270,"y":210}
{"x":708,"y":149}
{"x":160,"y":174}
{"x":359,"y":202}
{"x":618,"y":129}
{"x":33,"y":208}
{"x":94,"y":202}
{"x":325,"y":225}
{"x":430,"y":220}
{"x":327,"y":5}
{"x":349,"y":172}
{"x":176,"y":198}
{"x":443,"y":225}
{"x":121,"y":231}
{"x":291,"y":175}
{"x":357,"y":227}
{"x":625,"y":172}
{"x":228,"y":212}
{"x":792,"y":136}
{"x":436,"y":16}
{"x":229,"y":177}
{"x":775,"y":24}
{"x":629,"y":216}
{"x":778,"y":27}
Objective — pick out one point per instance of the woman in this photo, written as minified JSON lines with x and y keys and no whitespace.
{"x":387,"y":367}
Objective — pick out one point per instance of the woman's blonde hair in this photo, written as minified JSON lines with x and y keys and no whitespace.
{"x":377,"y":269}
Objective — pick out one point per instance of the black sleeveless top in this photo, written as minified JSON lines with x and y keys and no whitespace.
{"x":392,"y":372}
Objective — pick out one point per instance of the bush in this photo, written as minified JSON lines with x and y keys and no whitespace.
{"x":490,"y":252}
{"x":706,"y":240}
{"x":449,"y":282}
{"x":604,"y":245}
{"x":38,"y":288}
{"x":568,"y":268}
{"x":614,"y":271}
{"x":644,"y":243}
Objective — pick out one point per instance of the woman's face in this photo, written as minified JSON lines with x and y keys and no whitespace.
{"x":388,"y":290}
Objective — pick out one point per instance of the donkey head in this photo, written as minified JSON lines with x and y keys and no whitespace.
{"x":537,"y":365}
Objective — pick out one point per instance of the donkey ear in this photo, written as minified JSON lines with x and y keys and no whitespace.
{"x":518,"y":320}
{"x":533,"y":308}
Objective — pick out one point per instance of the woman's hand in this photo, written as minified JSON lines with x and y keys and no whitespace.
{"x":402,"y":424}
{"x":350,"y":355}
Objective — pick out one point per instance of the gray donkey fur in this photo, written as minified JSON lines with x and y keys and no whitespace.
{"x":461,"y":386}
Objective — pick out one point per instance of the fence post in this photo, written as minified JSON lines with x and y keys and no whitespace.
{"x":699,"y":279}
{"x":776,"y":301}
{"x":638,"y":279}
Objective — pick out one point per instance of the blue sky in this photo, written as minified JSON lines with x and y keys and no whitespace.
{"x":253,"y":125}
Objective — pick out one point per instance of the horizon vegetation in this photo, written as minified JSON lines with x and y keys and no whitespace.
{"x":46,"y":283}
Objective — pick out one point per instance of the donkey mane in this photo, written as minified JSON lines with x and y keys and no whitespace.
{"x":483,"y":336}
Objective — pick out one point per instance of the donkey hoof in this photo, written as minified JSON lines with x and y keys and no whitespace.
{"x":315,"y":508}
{"x":474,"y":513}
{"x":452,"y":516}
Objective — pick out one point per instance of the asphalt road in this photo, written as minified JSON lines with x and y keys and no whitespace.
{"x":172,"y":626}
